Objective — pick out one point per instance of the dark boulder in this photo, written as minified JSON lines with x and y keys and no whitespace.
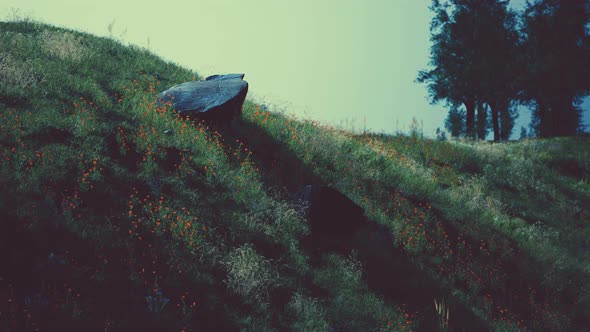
{"x":333,"y":217}
{"x":225,"y":77}
{"x":219,"y":97}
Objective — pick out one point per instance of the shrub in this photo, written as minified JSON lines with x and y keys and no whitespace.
{"x":249,"y":274}
{"x":310,"y":316}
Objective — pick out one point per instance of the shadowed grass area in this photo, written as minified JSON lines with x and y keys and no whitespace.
{"x":118,"y":214}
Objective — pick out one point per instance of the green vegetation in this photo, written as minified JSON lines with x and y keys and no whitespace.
{"x":117,"y":214}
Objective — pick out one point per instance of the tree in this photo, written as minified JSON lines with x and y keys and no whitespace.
{"x":444,"y":80}
{"x":481,"y":124}
{"x":507,"y":116}
{"x":472,"y":45}
{"x":501,"y":67}
{"x":455,"y":122}
{"x":557,"y":53}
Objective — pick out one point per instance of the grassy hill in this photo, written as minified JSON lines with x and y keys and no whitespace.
{"x":116,"y":214}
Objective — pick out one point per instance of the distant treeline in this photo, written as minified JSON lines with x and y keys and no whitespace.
{"x":486,"y":59}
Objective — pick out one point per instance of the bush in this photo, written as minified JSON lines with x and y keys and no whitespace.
{"x":310,"y":315}
{"x":249,"y":274}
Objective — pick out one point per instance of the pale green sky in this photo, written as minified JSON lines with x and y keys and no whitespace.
{"x":329,"y":60}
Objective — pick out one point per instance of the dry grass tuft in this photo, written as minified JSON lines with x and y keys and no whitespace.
{"x":16,"y":73}
{"x":249,"y":274}
{"x":64,"y":45}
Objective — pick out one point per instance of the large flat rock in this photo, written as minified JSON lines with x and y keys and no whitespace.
{"x":218,"y":97}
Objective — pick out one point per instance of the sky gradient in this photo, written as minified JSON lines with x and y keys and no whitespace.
{"x":350,"y":63}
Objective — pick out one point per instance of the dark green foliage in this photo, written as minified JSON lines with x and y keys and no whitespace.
{"x":472,"y":52}
{"x":455,"y":122}
{"x":557,"y":57}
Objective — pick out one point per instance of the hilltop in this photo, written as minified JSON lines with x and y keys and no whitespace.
{"x":118,"y":214}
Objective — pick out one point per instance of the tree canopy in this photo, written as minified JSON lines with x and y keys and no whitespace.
{"x":472,"y":42}
{"x":482,"y":60}
{"x":556,"y":50}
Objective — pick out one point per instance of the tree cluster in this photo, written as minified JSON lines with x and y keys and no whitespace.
{"x":487,"y":59}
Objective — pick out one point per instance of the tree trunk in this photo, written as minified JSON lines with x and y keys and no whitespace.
{"x":554,"y":120}
{"x":469,"y":123}
{"x":566,"y":119}
{"x":495,"y":123}
{"x":506,"y":119}
{"x":481,"y":121}
{"x":545,"y":120}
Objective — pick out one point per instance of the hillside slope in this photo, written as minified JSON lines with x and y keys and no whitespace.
{"x":117,"y":214}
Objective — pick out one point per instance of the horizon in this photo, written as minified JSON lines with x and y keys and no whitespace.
{"x":320,"y":61}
